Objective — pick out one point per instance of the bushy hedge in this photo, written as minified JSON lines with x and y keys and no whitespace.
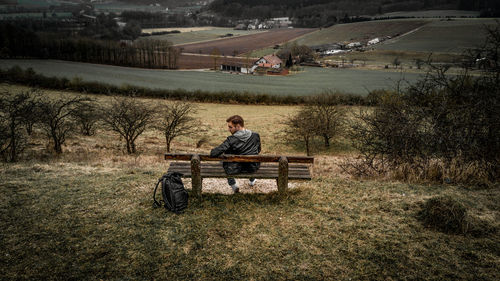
{"x":442,"y":128}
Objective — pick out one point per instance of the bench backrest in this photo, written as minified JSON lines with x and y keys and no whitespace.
{"x":240,"y":158}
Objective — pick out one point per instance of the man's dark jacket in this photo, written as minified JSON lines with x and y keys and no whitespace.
{"x":243,"y":142}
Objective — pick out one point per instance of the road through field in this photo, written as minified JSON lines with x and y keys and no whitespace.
{"x":312,"y":80}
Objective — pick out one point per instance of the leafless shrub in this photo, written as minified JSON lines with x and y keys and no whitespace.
{"x":320,"y":117}
{"x":17,"y":112}
{"x":298,"y":127}
{"x":128,"y":117}
{"x":57,"y":118}
{"x":176,"y":120}
{"x":87,"y":115}
{"x":329,"y":116}
{"x":444,"y":127}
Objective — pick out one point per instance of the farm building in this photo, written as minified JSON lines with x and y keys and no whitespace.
{"x":354,"y":45}
{"x":266,"y":64}
{"x":281,"y":22}
{"x":237,"y":67}
{"x":241,"y":26}
{"x":270,"y":61}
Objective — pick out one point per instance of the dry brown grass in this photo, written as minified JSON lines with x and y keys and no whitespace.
{"x":88,"y":215}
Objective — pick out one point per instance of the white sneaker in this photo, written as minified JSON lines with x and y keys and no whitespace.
{"x":235,"y":188}
{"x":252,"y":183}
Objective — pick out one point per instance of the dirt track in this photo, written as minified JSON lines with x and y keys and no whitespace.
{"x":238,"y":45}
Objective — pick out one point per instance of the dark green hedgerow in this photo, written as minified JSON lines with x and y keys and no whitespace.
{"x":28,"y":77}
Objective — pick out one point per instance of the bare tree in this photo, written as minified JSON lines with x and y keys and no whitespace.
{"x":329,"y":116}
{"x":87,"y":116}
{"x":57,"y":118}
{"x":298,"y":127}
{"x":321,"y":117}
{"x":176,"y":120}
{"x":15,"y":110}
{"x":130,"y":118}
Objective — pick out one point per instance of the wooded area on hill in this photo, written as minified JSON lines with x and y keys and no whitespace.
{"x":315,"y":13}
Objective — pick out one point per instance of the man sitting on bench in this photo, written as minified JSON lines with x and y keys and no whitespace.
{"x":241,"y":142}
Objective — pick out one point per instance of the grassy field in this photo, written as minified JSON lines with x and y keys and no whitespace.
{"x":362,"y":31}
{"x":445,"y":36}
{"x":88,"y":215}
{"x":378,"y":59}
{"x":196,"y":35}
{"x":310,"y":81}
{"x":432,"y":14}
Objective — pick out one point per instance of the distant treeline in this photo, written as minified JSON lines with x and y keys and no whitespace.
{"x":17,"y":42}
{"x":316,"y":13}
{"x":103,"y":26}
{"x":159,"y":33}
{"x":29,"y":77}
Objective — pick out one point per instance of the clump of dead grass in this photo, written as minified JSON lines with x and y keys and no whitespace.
{"x":446,"y":214}
{"x":449,"y":215}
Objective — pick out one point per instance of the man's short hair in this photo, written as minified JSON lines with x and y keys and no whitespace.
{"x":236,"y":119}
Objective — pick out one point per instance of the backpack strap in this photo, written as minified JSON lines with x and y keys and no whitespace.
{"x":167,"y":204}
{"x":156,"y":203}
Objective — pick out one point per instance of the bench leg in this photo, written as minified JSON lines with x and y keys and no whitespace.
{"x":282,"y":175}
{"x":196,"y":180}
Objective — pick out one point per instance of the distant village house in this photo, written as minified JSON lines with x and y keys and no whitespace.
{"x":270,"y":61}
{"x":266,"y":62}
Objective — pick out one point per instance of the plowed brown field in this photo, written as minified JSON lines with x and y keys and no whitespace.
{"x":232,"y":46}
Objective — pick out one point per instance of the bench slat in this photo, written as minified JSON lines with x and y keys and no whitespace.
{"x":187,"y":165}
{"x":219,"y":167}
{"x":255,"y":175}
{"x":267,"y":173}
{"x":216,"y":171}
{"x":210,"y":171}
{"x":240,"y":158}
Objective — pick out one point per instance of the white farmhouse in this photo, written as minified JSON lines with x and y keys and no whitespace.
{"x":270,"y":61}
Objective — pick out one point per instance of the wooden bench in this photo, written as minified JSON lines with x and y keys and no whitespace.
{"x":281,"y":168}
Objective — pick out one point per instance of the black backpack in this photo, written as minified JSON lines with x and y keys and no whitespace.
{"x":173,"y":192}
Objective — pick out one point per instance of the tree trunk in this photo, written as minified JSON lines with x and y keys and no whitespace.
{"x":327,"y":140}
{"x":133,"y":147}
{"x":57,"y":146}
{"x":306,"y":141}
{"x":129,"y":149}
{"x":13,"y":143}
